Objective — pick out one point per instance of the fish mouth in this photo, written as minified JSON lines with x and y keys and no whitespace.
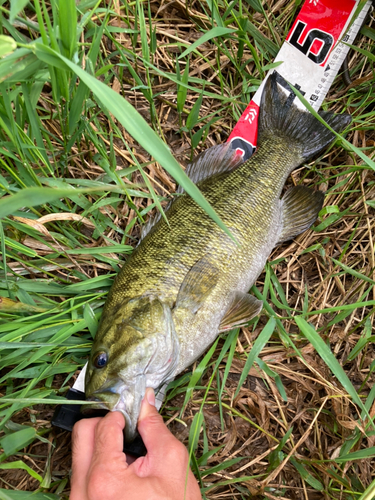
{"x":130,"y":412}
{"x":96,"y":409}
{"x":127,"y":402}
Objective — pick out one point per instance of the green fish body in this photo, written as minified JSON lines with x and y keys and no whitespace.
{"x":187,"y":282}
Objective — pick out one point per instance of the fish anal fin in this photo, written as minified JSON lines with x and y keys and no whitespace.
{"x":300,"y":207}
{"x":215,"y":160}
{"x":241,"y":310}
{"x":198,"y":283}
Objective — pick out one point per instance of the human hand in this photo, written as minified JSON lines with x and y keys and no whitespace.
{"x":101,"y":471}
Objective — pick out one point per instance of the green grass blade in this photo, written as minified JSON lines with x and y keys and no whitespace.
{"x":27,"y":495}
{"x":329,"y":358}
{"x":21,"y":465}
{"x":260,"y":342}
{"x":193,"y":116}
{"x":198,"y":372}
{"x":143,"y":31}
{"x":351,"y":271}
{"x":137,"y":127}
{"x":7,"y":45}
{"x":369,"y":494}
{"x":317,"y":485}
{"x":195,"y":430}
{"x":68,"y":27}
{"x":15,"y":8}
{"x":31,"y":197}
{"x":39,"y":401}
{"x":182,"y":89}
{"x":209,"y":35}
{"x":278,"y":382}
{"x":365,"y":339}
{"x":357,"y":455}
{"x":15,"y":441}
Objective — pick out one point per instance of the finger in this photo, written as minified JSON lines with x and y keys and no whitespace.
{"x":82,"y":452}
{"x":108,"y":466}
{"x":109,"y":439}
{"x":163,"y":449}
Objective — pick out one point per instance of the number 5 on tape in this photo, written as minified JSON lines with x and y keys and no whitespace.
{"x":310,"y":58}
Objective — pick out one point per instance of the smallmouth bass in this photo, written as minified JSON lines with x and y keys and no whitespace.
{"x":186,"y":283}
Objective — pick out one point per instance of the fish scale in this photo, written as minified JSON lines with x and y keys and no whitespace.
{"x":187,"y":280}
{"x":152,"y":264}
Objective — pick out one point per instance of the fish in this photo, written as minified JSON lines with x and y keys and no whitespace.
{"x":188,"y":281}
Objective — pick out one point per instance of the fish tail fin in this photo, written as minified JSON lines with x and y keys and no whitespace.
{"x":279,"y":116}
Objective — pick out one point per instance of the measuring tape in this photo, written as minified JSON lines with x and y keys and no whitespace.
{"x":310,"y":57}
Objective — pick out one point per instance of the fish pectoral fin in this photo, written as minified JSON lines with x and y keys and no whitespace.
{"x":197,"y":284}
{"x":215,"y":160}
{"x":299,"y":209}
{"x":241,"y":310}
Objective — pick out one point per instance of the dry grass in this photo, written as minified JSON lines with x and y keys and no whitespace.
{"x":252,"y":426}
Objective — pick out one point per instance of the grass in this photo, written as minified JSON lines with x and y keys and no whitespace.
{"x":281,"y":409}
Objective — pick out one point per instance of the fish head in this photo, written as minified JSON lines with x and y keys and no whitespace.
{"x":138,"y":349}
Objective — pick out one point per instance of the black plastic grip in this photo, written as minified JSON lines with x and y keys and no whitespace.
{"x":66,"y":416}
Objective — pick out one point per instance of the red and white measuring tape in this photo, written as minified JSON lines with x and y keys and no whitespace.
{"x":310,"y":57}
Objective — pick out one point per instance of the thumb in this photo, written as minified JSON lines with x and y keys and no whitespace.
{"x":155,"y":434}
{"x":109,"y":440}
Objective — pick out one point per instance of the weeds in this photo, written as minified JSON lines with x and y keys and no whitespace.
{"x":281,"y":409}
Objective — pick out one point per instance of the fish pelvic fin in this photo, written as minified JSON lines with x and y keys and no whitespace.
{"x":279,"y":116}
{"x":242,"y":308}
{"x":299,"y":209}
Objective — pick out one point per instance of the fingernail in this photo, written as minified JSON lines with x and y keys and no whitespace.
{"x":150,"y":396}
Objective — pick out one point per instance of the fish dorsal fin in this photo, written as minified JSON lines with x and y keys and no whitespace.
{"x":215,"y":160}
{"x":241,"y":310}
{"x":299,"y":209}
{"x":197,"y":284}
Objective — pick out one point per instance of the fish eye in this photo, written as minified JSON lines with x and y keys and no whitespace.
{"x":100,"y":360}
